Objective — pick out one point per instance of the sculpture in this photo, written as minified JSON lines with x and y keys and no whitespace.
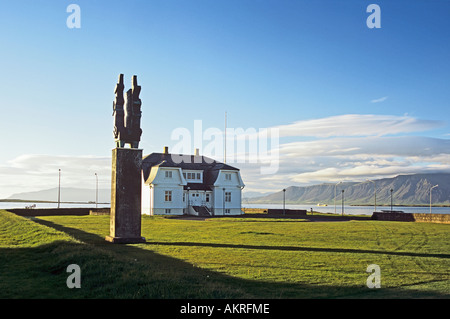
{"x":127,"y":121}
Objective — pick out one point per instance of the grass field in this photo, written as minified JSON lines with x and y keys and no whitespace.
{"x":223,"y":258}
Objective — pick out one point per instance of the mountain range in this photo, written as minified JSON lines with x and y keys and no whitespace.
{"x":406,"y":190}
{"x":67,"y":194}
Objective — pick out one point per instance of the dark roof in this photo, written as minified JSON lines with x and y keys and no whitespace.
{"x":209,"y":166}
{"x":197,"y":187}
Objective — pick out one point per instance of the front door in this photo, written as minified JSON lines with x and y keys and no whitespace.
{"x":195,"y":199}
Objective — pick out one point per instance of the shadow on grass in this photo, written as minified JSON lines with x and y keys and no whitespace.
{"x":296,"y":248}
{"x":130,"y":272}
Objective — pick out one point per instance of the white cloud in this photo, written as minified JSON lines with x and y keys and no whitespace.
{"x":379,"y":100}
{"x":354,"y":125}
{"x":31,"y":172}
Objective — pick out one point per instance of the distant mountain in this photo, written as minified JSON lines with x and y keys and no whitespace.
{"x":254,"y":194}
{"x":67,"y":195}
{"x":407,"y":190}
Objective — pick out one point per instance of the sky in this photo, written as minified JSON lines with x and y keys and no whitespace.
{"x":348,"y":102}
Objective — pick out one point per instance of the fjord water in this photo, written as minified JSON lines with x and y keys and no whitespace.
{"x":348,"y":210}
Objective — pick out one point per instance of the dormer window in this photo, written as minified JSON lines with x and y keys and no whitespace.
{"x":228,"y":176}
{"x":193,"y":176}
{"x":168,"y":174}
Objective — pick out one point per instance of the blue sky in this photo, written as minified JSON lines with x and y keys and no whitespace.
{"x":286,"y":64}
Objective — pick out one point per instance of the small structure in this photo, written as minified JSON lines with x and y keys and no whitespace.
{"x":176,"y":184}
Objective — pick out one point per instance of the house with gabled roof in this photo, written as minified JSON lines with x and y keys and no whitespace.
{"x":177,"y":184}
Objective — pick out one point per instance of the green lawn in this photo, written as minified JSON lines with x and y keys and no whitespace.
{"x":223,"y":258}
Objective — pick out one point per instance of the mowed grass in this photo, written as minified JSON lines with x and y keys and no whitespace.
{"x":224,"y":258}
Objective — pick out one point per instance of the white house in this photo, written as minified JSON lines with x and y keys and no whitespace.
{"x":176,"y":184}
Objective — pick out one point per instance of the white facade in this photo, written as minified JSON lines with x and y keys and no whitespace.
{"x":228,"y":193}
{"x":170,"y":190}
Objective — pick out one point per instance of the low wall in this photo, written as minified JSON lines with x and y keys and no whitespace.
{"x":287,"y":212}
{"x":254,"y":210}
{"x":50,"y":211}
{"x":100,"y":211}
{"x":409,"y":217}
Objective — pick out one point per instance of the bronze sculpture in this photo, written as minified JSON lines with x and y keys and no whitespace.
{"x":127,"y":121}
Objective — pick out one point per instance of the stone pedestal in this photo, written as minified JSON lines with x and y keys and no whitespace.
{"x":125,"y":225}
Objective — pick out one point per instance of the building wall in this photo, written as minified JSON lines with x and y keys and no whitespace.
{"x":154,"y":194}
{"x":232,"y":184}
{"x":146,"y":199}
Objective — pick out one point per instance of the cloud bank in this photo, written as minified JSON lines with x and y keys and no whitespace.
{"x":352,"y":147}
{"x":33,"y":172}
{"x":349,"y":147}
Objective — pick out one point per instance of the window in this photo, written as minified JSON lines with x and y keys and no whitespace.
{"x":168,"y":174}
{"x":167,"y":210}
{"x":228,"y":177}
{"x":207,"y":197}
{"x":227,"y":211}
{"x":168,"y":196}
{"x":228,"y":196}
{"x":192,"y":175}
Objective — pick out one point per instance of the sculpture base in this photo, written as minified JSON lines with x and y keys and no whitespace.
{"x":122,"y":240}
{"x":125,"y":215}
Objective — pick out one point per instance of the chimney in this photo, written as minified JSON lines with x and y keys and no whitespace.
{"x":166,"y":150}
{"x":197,"y":153}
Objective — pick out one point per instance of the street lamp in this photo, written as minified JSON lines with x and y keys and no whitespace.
{"x":335,"y":196}
{"x":342,"y":202}
{"x":391,"y":199}
{"x":284,"y":201}
{"x":96,"y":190}
{"x":223,"y":201}
{"x":59,"y":187}
{"x":430,"y":194}
{"x":375,"y":192}
{"x":188,"y":201}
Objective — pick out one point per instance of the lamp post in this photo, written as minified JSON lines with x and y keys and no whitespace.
{"x":391,"y":199}
{"x":284,"y":201}
{"x":375,"y":192}
{"x":96,"y":190}
{"x":342,"y":202}
{"x":59,"y":187}
{"x":431,"y":189}
{"x":335,"y":196}
{"x":187,"y":201}
{"x":223,"y":201}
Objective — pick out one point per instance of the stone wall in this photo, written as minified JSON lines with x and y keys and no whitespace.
{"x":408,"y":217}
